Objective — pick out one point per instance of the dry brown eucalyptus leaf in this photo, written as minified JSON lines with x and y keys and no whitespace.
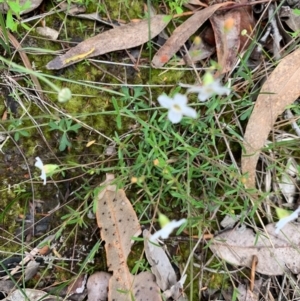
{"x":119,"y":224}
{"x":118,"y":38}
{"x":280,"y":90}
{"x":227,"y":28}
{"x":276,"y":253}
{"x":227,"y":41}
{"x":182,"y":33}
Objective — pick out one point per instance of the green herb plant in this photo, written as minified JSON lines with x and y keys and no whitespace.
{"x":13,"y":13}
{"x":64,"y":125}
{"x":15,"y":126}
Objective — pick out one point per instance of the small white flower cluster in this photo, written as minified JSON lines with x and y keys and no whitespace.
{"x":178,"y":107}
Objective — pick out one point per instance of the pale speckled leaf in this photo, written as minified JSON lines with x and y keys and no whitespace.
{"x":276,"y":253}
{"x":145,"y":287}
{"x":97,"y":286}
{"x":32,"y":295}
{"x":119,"y":224}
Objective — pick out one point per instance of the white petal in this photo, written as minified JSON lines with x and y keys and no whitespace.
{"x":204,"y":92}
{"x":215,"y":85}
{"x":284,"y":221}
{"x":39,"y":164}
{"x":165,"y":101}
{"x":174,"y":116}
{"x":219,"y":89}
{"x":223,"y":90}
{"x":187,"y":111}
{"x":43,"y":177}
{"x":195,"y":89}
{"x":180,"y":99}
{"x":203,"y":96}
{"x":156,"y":235}
{"x":167,"y":229}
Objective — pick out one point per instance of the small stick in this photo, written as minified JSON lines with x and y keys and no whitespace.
{"x":253,"y":269}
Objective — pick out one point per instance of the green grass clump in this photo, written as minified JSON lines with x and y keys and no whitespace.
{"x":113,"y":123}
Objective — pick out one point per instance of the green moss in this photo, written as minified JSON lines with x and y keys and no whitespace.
{"x":134,"y":257}
{"x":10,"y":211}
{"x":217,"y":281}
{"x":124,"y":10}
{"x":167,"y":78}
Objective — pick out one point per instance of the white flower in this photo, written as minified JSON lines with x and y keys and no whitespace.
{"x":208,"y":90}
{"x":284,"y":221}
{"x":165,"y":231}
{"x":177,"y":107}
{"x":39,"y":164}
